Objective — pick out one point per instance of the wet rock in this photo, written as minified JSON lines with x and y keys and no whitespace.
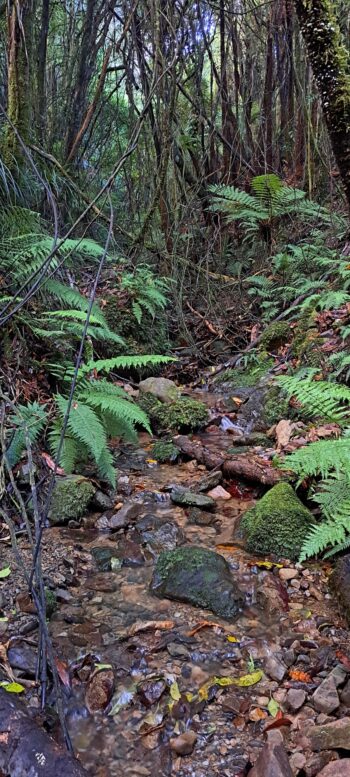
{"x":345,"y":694}
{"x":325,"y":698}
{"x":273,"y":759}
{"x":278,"y":523}
{"x":23,"y":657}
{"x":200,"y":577}
{"x":336,"y":768}
{"x":102,"y":523}
{"x":200,"y":518}
{"x":211,"y":480}
{"x":101,"y":501}
{"x":331,"y":736}
{"x":184,"y":743}
{"x":128,"y":513}
{"x":123,"y":485}
{"x":150,"y":691}
{"x":190,"y":499}
{"x":295,"y":698}
{"x":177,"y":650}
{"x":130,"y":553}
{"x":275,"y":668}
{"x":99,"y":690}
{"x":70,"y":499}
{"x":163,"y":389}
{"x":102,"y":556}
{"x":167,"y":536}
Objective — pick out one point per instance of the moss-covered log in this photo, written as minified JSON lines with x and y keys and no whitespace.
{"x":331,"y":67}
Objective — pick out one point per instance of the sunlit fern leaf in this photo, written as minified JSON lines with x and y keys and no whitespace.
{"x":122,"y":408}
{"x":321,"y":458}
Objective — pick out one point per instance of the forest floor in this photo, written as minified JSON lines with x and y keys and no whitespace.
{"x":160,"y":687}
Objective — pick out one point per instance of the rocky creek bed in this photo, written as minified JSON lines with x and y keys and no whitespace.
{"x":178,"y":651}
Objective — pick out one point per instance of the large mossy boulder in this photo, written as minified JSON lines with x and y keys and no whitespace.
{"x":162,"y":388}
{"x":70,"y":498}
{"x":200,"y":577}
{"x":277,"y":524}
{"x":183,"y":415}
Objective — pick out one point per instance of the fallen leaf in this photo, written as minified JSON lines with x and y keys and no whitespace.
{"x":202,"y":625}
{"x":51,"y":464}
{"x":243,"y":682}
{"x":5,"y":572}
{"x":227,"y":548}
{"x":301,"y":677}
{"x":257,"y":714}
{"x":175,"y":691}
{"x":140,"y":626}
{"x":264,"y":564}
{"x":231,"y":638}
{"x":63,"y":672}
{"x":12,"y":687}
{"x":273,"y":707}
{"x":237,"y":401}
{"x":283,"y":433}
{"x":278,"y":723}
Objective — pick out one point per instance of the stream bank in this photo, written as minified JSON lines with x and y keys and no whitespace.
{"x":158,"y":686}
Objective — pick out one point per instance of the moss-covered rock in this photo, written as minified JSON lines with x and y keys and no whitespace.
{"x":162,"y":388}
{"x":276,"y":406}
{"x":247,"y":377}
{"x":277,"y":524}
{"x":70,"y":498}
{"x":183,"y":415}
{"x":200,"y":577}
{"x":275,"y":335}
{"x":165,"y":450}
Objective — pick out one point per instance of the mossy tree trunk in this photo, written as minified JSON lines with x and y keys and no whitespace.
{"x":20,"y":16}
{"x":330,"y":62}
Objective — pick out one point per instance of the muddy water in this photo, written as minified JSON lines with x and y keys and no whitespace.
{"x":94,"y":627}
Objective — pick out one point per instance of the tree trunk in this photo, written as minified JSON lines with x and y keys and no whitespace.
{"x":330,"y":63}
{"x":42,"y":53}
{"x":19,"y":102}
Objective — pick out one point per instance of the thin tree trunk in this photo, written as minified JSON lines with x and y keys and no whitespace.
{"x":41,"y":71}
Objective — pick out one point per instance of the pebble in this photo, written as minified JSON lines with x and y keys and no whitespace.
{"x":288,"y":574}
{"x":295,"y":698}
{"x":297,"y":762}
{"x":184,"y":743}
{"x":325,"y":698}
{"x":275,"y":668}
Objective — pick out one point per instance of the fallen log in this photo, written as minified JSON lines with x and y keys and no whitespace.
{"x":26,"y":749}
{"x":248,"y":467}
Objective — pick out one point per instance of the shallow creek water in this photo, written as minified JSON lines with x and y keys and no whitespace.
{"x":92,"y":628}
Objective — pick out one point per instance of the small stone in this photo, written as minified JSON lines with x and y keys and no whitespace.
{"x":128,"y":513}
{"x":295,"y":698}
{"x":297,"y":762}
{"x":339,"y":674}
{"x":325,"y":698}
{"x":316,"y":593}
{"x":331,"y":736}
{"x":190,"y":499}
{"x":275,"y":668}
{"x":295,"y":584}
{"x":336,"y":768}
{"x":318,"y":761}
{"x":219,"y":493}
{"x":184,"y":743}
{"x":287,"y":573}
{"x":101,"y":501}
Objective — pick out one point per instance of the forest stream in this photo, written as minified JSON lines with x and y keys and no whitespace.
{"x":154,"y":686}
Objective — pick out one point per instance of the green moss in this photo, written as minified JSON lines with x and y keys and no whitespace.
{"x":276,"y":406}
{"x":165,"y":450}
{"x":247,"y":378}
{"x":70,"y":498}
{"x":275,"y":335}
{"x":183,"y":415}
{"x":51,"y":602}
{"x":278,"y":524}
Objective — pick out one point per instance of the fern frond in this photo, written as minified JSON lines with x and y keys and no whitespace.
{"x":124,"y":362}
{"x":29,"y":421}
{"x":321,"y":458}
{"x":319,"y":398}
{"x":84,"y":425}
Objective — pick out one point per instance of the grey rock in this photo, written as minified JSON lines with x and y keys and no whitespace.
{"x":339,"y":674}
{"x":336,"y":768}
{"x":295,"y":698}
{"x":167,"y":536}
{"x":128,"y":513}
{"x":345,"y":694}
{"x":190,"y":499}
{"x":200,"y":577}
{"x":275,"y":668}
{"x":23,"y":658}
{"x":103,"y":556}
{"x":209,"y":481}
{"x":331,"y":736}
{"x":325,"y":698}
{"x":101,"y":501}
{"x":273,"y":760}
{"x":163,"y":389}
{"x":200,"y":518}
